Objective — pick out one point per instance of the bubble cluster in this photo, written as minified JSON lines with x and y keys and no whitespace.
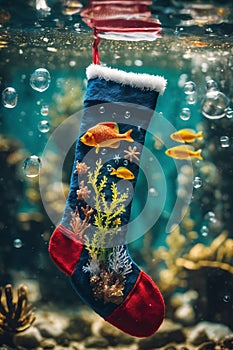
{"x":40,"y":79}
{"x":185,"y":113}
{"x":9,"y":97}
{"x":32,"y":166}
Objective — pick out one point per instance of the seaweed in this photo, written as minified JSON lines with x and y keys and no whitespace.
{"x":15,"y":315}
{"x":107,"y":213}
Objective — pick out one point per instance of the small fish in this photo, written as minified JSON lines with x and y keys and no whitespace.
{"x":183,"y":152}
{"x":186,"y":135}
{"x":123,"y":173}
{"x":105,"y":135}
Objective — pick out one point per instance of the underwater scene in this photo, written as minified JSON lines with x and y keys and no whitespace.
{"x":116,"y":174}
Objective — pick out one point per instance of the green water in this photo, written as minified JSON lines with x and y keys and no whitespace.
{"x":193,"y":47}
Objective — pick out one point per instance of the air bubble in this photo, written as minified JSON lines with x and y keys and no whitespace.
{"x":197,"y":182}
{"x":204,"y":231}
{"x":211,"y":85}
{"x":127,"y":115}
{"x":211,"y":217}
{"x":226,"y":298}
{"x":40,"y":79}
{"x":229,"y":112}
{"x":32,"y":166}
{"x":44,"y":126}
{"x":224,"y":141}
{"x":214,"y":104}
{"x":185,"y":114}
{"x":103,"y":151}
{"x":9,"y":97}
{"x":44,"y":110}
{"x":125,"y":162}
{"x":109,"y":167}
{"x":189,"y":87}
{"x":191,"y":99}
{"x":18,"y":243}
{"x":101,"y":109}
{"x":114,"y":115}
{"x":153,"y":192}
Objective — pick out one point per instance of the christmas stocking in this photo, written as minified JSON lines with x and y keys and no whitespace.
{"x":90,"y":243}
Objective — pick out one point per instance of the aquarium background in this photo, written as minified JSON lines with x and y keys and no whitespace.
{"x":188,"y":251}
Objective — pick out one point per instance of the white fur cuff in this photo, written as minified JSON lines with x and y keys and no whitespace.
{"x":142,"y":80}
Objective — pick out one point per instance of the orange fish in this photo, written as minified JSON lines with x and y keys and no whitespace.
{"x":183,"y":152}
{"x":123,"y":173}
{"x":105,"y":134}
{"x":186,"y":135}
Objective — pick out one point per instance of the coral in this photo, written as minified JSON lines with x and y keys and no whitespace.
{"x":83,"y":192}
{"x":108,"y":286}
{"x":78,"y":225}
{"x":119,"y":261}
{"x":81,"y":168}
{"x":107,"y":281}
{"x":93,"y":267}
{"x":15,"y":316}
{"x":219,"y":254}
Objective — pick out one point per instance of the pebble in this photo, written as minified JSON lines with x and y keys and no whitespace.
{"x":79,"y":326}
{"x":211,"y":331}
{"x":228,"y":342}
{"x":114,"y":335}
{"x":31,"y":338}
{"x":207,"y":346}
{"x":185,"y":314}
{"x":51,"y":324}
{"x":96,"y":342}
{"x":48,"y":343}
{"x":169,"y":332}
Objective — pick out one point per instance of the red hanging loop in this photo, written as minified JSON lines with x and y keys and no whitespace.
{"x":95,"y":48}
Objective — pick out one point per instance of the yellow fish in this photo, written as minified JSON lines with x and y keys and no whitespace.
{"x":123,"y":173}
{"x":183,"y":152}
{"x":186,"y":135}
{"x":105,"y":134}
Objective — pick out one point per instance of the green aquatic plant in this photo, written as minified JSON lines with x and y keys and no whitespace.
{"x":107,"y":215}
{"x":15,"y":315}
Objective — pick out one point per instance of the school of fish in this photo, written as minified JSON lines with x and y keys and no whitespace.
{"x":185,"y":151}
